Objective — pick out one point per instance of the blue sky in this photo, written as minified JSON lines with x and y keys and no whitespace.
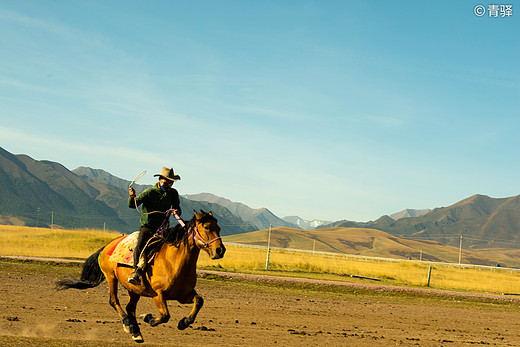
{"x":321,"y":109}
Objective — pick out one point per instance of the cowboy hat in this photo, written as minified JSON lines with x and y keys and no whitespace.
{"x":168,"y":174}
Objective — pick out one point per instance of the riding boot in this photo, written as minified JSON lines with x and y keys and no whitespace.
{"x":135,"y":276}
{"x":144,"y":234}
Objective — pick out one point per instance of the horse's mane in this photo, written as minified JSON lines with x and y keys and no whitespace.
{"x":177,"y":234}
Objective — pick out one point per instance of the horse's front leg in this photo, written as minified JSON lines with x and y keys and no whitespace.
{"x":160,"y":302}
{"x":198,"y":302}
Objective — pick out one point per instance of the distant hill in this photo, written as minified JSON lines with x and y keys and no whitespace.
{"x":230,"y":223}
{"x":372,"y":242}
{"x":101,"y":176}
{"x":38,"y":193}
{"x":409,"y":213}
{"x":262,"y":218}
{"x":482,"y":221}
{"x":41,"y":192}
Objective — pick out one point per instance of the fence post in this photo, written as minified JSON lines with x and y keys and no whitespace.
{"x":268,"y":249}
{"x":429,"y":275}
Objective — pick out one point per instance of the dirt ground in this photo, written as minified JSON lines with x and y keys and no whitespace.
{"x":239,"y":312}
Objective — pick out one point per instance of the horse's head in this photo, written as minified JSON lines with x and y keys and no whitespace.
{"x":207,"y":235}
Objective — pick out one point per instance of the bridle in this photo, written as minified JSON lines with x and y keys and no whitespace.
{"x":194,"y":233}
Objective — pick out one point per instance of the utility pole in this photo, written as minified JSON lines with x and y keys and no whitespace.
{"x":37,"y":217}
{"x":52,"y":220}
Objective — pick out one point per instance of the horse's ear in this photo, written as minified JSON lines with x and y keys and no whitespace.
{"x":197,"y":215}
{"x":210,"y":213}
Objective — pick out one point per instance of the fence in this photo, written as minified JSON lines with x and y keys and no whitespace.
{"x":373,"y":259}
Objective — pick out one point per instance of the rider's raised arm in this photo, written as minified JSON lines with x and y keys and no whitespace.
{"x":134,"y":201}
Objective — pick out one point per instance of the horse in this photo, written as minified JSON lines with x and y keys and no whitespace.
{"x":171,"y":276}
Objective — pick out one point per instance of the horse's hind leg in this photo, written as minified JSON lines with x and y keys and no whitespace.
{"x":197,"y":305}
{"x":130,"y":309}
{"x":114,"y":302}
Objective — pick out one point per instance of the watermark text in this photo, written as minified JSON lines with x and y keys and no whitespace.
{"x":493,"y":11}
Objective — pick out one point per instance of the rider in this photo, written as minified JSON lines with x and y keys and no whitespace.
{"x":156,"y":201}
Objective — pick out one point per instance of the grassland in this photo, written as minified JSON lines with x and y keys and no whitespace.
{"x":410,"y":273}
{"x":44,"y":242}
{"x":81,"y":243}
{"x":372,"y":242}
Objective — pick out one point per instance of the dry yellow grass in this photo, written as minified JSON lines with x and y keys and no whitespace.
{"x":400,"y":273}
{"x":15,"y":240}
{"x":43,"y":242}
{"x":375,"y":243}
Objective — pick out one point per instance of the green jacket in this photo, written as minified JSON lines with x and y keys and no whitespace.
{"x":155,"y":200}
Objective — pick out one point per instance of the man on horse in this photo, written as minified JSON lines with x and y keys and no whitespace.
{"x":156,"y":202}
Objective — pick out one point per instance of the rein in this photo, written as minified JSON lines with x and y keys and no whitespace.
{"x":194,"y":233}
{"x":165,"y":222}
{"x":179,"y":219}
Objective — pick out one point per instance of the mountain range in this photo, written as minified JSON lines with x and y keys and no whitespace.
{"x":45,"y":193}
{"x":408,"y":213}
{"x":41,"y":193}
{"x":101,"y":176}
{"x":305,"y":224}
{"x":479,"y":220}
{"x":262,"y":218}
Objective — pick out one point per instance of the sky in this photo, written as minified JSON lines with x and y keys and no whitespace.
{"x":326,"y":110}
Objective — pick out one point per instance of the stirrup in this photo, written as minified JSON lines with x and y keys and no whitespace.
{"x":135,"y":277}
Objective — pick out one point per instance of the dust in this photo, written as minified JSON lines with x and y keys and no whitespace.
{"x":39,"y":330}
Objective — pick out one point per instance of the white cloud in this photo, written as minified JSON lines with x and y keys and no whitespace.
{"x":74,"y":153}
{"x":35,"y":23}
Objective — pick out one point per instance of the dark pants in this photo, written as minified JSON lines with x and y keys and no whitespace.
{"x":145,"y":233}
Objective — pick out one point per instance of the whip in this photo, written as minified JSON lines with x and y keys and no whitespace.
{"x":131,"y":183}
{"x":136,"y":178}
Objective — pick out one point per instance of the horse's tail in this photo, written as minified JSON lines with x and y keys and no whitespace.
{"x":91,"y":275}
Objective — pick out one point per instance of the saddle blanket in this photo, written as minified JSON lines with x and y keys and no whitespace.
{"x":123,"y":253}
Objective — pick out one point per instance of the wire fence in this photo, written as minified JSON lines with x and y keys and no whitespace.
{"x":371,"y":258}
{"x":51,"y":218}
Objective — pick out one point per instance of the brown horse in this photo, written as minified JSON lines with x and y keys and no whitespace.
{"x":171,"y":275}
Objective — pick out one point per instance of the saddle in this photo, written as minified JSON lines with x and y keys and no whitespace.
{"x":123,"y":251}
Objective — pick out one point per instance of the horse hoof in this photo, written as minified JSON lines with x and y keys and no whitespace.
{"x":146,"y":317}
{"x":138,"y":338}
{"x":126,"y":328}
{"x":183,"y":324}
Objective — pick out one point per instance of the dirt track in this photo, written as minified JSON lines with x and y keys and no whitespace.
{"x":238,"y":313}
